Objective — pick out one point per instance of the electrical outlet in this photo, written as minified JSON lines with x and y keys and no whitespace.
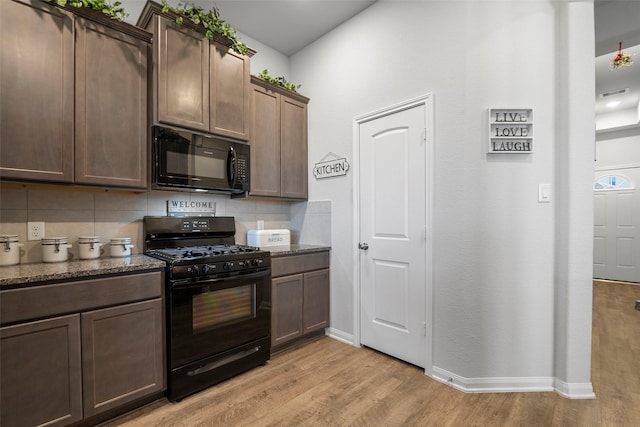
{"x":638,"y":305}
{"x":35,"y":230}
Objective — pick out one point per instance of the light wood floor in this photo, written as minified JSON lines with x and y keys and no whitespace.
{"x":328,"y":383}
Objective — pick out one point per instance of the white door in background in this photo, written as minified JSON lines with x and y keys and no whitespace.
{"x":393,"y":234}
{"x":616,"y":229}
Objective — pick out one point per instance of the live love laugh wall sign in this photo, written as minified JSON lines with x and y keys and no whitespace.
{"x":331,"y":165}
{"x":511,"y":130}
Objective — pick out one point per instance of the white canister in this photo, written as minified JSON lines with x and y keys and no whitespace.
{"x":121,"y":246}
{"x":55,"y":249}
{"x":89,"y":247}
{"x":9,"y":249}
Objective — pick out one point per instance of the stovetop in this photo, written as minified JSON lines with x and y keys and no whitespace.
{"x":200,"y":248}
{"x":197,"y":253}
{"x":194,"y":263}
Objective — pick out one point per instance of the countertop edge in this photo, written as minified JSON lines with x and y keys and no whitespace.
{"x":38,"y":273}
{"x":295,"y":249}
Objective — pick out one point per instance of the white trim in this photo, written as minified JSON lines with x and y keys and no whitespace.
{"x":514,"y":385}
{"x":494,"y":384}
{"x":341,"y":336}
{"x":609,"y":168}
{"x":574,"y":390}
{"x":428,"y":101}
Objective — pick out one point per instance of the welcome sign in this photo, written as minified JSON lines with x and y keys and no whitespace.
{"x":191,"y":208}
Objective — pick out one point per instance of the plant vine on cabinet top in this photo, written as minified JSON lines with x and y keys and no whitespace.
{"x":198,"y":84}
{"x":195,"y":18}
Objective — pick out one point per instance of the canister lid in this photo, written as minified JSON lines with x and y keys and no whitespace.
{"x":121,"y":240}
{"x":89,"y":239}
{"x":55,"y":240}
{"x":8,"y":238}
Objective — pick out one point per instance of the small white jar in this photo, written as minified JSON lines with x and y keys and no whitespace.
{"x":121,"y":246}
{"x":9,"y":249}
{"x":55,"y":249}
{"x":89,"y":247}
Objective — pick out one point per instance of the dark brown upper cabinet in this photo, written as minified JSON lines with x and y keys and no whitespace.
{"x":111,"y":107}
{"x":279,"y":159}
{"x":36,"y":83}
{"x":198,"y":84}
{"x":74,"y":96}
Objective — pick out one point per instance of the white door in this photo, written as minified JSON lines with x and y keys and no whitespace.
{"x":392,"y":234}
{"x":616,"y":230}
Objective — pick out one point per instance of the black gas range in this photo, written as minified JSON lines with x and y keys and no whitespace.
{"x":200,"y":262}
{"x":218,"y":298}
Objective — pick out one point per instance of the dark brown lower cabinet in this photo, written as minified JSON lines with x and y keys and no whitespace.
{"x":64,"y":369}
{"x":300,"y":297}
{"x":41,"y":374}
{"x":121,"y":355}
{"x":286,"y":323}
{"x":315,"y":301}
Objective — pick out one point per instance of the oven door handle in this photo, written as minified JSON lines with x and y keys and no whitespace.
{"x":224,"y":361}
{"x":188,"y":283}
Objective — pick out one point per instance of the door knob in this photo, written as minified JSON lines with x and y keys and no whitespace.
{"x":363,"y":246}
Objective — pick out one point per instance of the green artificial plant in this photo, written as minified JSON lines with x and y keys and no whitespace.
{"x":113,"y":11}
{"x":279,"y":81}
{"x":209,"y":20}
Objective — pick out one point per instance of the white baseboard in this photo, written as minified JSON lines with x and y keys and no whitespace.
{"x":495,"y":384}
{"x":340,"y":336}
{"x":514,"y":384}
{"x":574,"y":390}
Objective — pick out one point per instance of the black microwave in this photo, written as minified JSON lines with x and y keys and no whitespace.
{"x":184,"y":160}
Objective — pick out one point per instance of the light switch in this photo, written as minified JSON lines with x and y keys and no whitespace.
{"x":544,"y":193}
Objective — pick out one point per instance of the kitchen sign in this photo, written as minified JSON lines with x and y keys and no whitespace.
{"x":511,"y":130}
{"x":336,"y":166}
{"x":191,"y":208}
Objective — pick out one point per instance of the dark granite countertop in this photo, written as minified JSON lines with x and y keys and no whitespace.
{"x":296,"y":249}
{"x":22,"y":274}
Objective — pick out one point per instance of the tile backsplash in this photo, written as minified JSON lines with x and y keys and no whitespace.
{"x":108,"y":214}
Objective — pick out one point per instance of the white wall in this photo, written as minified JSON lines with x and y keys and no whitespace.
{"x":266,"y":57}
{"x":618,"y":148}
{"x":495,"y":257}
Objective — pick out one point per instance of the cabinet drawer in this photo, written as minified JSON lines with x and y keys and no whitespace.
{"x":51,"y":300}
{"x":292,"y":264}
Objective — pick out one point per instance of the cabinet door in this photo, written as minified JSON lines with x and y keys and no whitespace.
{"x":182,"y":60}
{"x":122,"y":354}
{"x":111,"y":107}
{"x":316,"y":300}
{"x":265,"y":143}
{"x":36,"y":87}
{"x":230,"y":97}
{"x":293,"y":119}
{"x":40,"y":373}
{"x":286,"y":314}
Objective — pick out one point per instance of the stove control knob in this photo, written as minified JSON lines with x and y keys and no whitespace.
{"x":227,"y":265}
{"x":242,"y":263}
{"x":193,"y":270}
{"x":256,"y":261}
{"x":205,"y":269}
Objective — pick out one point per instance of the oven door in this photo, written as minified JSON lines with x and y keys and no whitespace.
{"x":215,"y":315}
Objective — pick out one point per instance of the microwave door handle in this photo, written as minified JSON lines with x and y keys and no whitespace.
{"x":231,"y":167}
